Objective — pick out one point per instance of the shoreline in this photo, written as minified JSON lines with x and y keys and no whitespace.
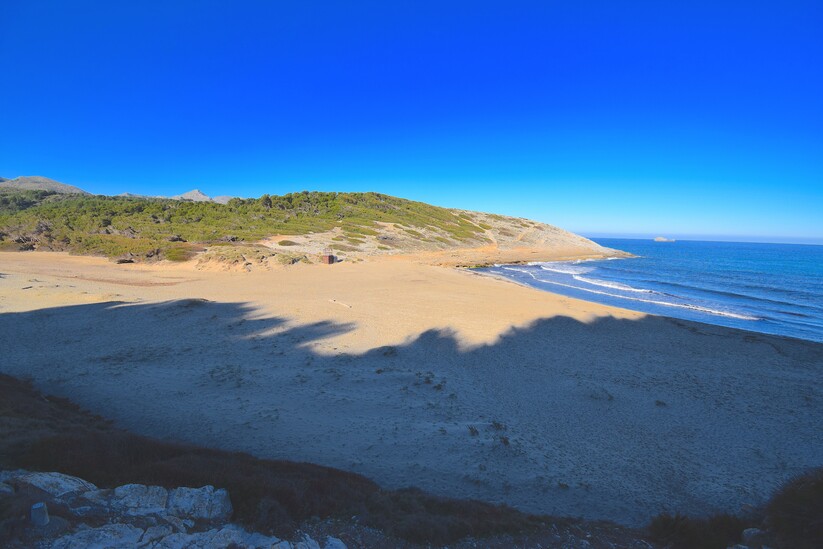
{"x":758,"y":299}
{"x":384,"y":367}
{"x":671,"y":318}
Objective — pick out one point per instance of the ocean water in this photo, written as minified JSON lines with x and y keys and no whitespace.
{"x":769,"y":288}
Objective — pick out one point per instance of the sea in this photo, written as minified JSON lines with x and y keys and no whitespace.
{"x":768,"y":288}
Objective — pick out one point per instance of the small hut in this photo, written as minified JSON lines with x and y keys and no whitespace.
{"x":328,"y":257}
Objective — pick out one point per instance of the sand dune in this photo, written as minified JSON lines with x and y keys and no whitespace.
{"x":419,"y":375}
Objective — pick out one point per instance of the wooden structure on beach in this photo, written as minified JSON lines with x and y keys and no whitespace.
{"x":328,"y":257}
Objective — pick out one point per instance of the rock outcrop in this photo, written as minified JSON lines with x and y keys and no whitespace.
{"x":133,"y":515}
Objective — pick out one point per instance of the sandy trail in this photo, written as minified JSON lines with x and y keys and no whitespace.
{"x":418,"y":375}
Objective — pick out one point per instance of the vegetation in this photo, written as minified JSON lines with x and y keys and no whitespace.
{"x":793,"y":517}
{"x":154,"y":227}
{"x":795,"y":513}
{"x":682,"y":532}
{"x":271,"y":496}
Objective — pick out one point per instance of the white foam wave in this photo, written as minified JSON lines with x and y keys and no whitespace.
{"x":688,"y":306}
{"x":613,"y":285}
{"x":656,"y":302}
{"x":565,"y":268}
{"x":517,"y":270}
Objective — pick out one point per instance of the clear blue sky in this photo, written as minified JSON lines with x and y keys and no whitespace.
{"x":703,"y":118}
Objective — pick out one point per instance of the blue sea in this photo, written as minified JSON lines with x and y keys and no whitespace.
{"x":769,"y":288}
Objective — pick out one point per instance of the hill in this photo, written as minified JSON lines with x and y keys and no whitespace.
{"x":293,"y":225}
{"x":195,"y":195}
{"x":37,"y":183}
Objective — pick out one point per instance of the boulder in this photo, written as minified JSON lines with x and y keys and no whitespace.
{"x":177,"y":524}
{"x":110,"y":536}
{"x":56,"y":484}
{"x":307,"y":543}
{"x":754,"y":537}
{"x":204,"y":503}
{"x":334,"y":543}
{"x":227,"y":536}
{"x":137,"y":499}
{"x":155,"y":533}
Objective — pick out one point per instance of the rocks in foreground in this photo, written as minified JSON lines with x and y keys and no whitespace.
{"x":133,"y":515}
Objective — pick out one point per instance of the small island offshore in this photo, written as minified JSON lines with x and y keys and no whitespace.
{"x":204,"y":329}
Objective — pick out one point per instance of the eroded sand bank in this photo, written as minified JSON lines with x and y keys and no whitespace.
{"x":426,"y":376}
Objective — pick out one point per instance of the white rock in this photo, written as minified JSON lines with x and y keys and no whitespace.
{"x":218,"y":537}
{"x":137,"y":499}
{"x":334,"y":543}
{"x":753,"y":536}
{"x":6,"y":476}
{"x":199,"y":503}
{"x":307,"y":543}
{"x":177,"y":524}
{"x":99,"y":498}
{"x":56,"y":484}
{"x":110,"y":536}
{"x":155,"y":533}
{"x":253,"y":539}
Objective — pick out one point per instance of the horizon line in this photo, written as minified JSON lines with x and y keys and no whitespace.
{"x":732,"y":239}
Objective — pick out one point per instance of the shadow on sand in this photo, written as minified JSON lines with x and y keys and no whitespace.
{"x":614,"y":419}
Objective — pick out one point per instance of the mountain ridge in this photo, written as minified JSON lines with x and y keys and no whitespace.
{"x":38,"y":183}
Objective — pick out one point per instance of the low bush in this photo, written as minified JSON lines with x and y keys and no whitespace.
{"x":682,"y":532}
{"x":795,"y":513}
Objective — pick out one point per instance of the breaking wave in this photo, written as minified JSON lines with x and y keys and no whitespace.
{"x":687,"y":306}
{"x":613,"y":285}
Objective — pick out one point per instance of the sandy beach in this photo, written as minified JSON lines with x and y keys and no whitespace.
{"x":427,"y":376}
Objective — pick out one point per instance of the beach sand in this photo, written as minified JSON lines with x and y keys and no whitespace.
{"x":417,"y":375}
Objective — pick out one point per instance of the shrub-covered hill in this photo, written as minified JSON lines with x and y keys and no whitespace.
{"x":146,"y":226}
{"x":174,"y":229}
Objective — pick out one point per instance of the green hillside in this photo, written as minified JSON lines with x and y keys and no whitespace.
{"x":173,"y":229}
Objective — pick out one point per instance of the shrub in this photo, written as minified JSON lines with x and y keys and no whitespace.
{"x":179,"y":254}
{"x":795,"y":512}
{"x":682,"y":532}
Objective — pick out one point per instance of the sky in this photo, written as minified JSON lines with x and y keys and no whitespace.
{"x":606,"y":118}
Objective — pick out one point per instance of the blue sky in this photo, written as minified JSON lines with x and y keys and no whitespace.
{"x":600,"y":117}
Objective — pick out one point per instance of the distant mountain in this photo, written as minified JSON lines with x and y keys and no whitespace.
{"x":223,"y":199}
{"x":195,"y":196}
{"x":38,"y":183}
